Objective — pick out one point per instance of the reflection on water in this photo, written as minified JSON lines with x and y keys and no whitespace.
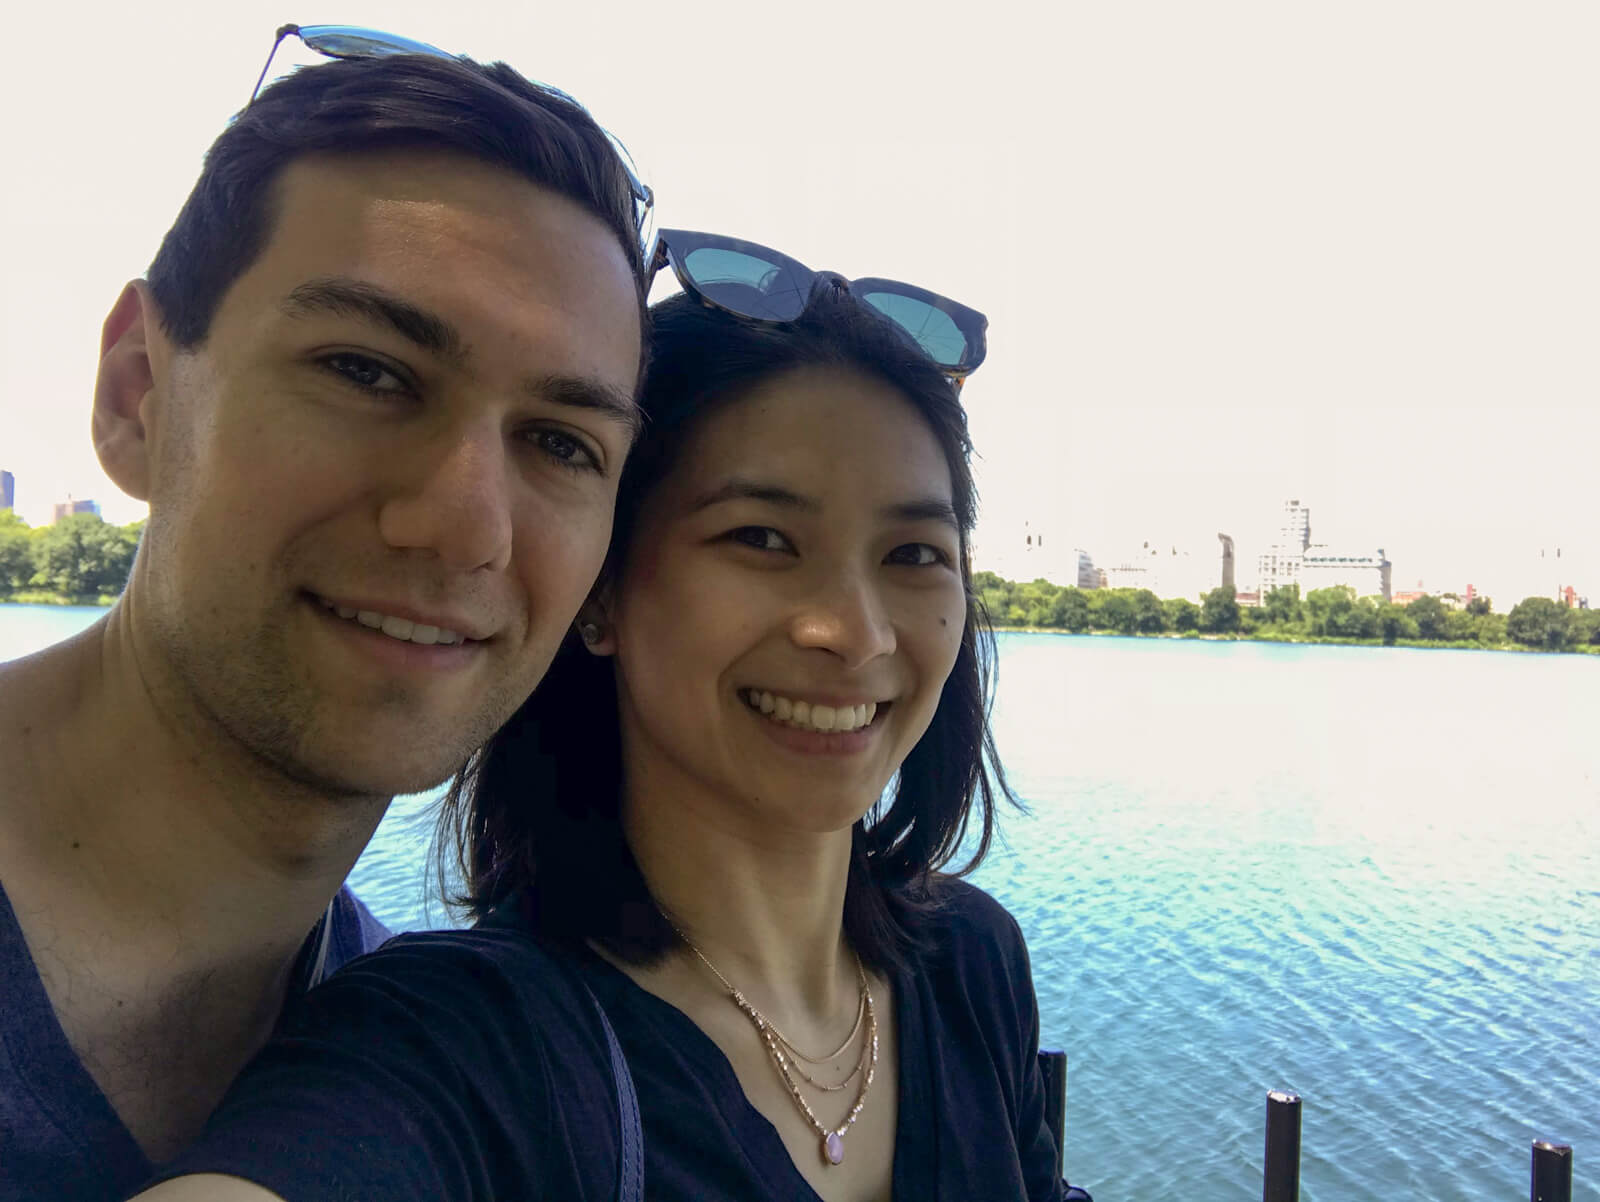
{"x":1371,"y":876}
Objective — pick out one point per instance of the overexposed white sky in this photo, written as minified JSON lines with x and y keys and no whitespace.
{"x":1231,"y":252}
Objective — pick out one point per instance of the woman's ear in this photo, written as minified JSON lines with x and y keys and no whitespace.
{"x":594,"y":622}
{"x":123,"y":386}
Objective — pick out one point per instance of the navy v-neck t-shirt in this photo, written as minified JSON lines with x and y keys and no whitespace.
{"x":60,"y":1137}
{"x":471,"y":1065}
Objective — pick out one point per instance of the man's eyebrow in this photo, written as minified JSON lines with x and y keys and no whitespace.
{"x":356,"y":298}
{"x":582,"y":392}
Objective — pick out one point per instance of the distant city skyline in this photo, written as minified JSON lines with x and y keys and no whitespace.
{"x":1282,"y":545}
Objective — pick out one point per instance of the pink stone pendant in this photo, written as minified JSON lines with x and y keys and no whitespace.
{"x":833,"y":1148}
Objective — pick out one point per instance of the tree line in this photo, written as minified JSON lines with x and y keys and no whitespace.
{"x":1334,"y":614}
{"x":80,"y":558}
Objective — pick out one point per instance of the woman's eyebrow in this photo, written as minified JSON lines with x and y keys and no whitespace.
{"x":923,"y":509}
{"x":738,"y":489}
{"x":928,"y":509}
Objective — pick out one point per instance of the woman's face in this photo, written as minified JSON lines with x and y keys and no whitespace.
{"x":791,"y":604}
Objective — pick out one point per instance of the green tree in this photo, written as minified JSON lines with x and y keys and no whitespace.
{"x":1541,"y":622}
{"x":1116,"y":611}
{"x":1586,"y":625}
{"x":1219,"y":611}
{"x":1070,"y":610}
{"x":1182,"y":614}
{"x":1431,"y":618}
{"x":82,"y":556}
{"x":1328,"y":608}
{"x":16,"y":553}
{"x":1480,"y":607}
{"x":1149,"y":617}
{"x":1282,"y":606}
{"x":1395,"y":622}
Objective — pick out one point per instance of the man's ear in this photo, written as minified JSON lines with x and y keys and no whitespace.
{"x":123,"y":388}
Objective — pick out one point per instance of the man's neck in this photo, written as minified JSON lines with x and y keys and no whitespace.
{"x":164,"y":879}
{"x":156,"y":814}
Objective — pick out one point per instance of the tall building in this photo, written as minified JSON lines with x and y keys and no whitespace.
{"x":1295,"y":559}
{"x":69,"y":506}
{"x":8,"y":490}
{"x":1227,"y":560}
{"x":1295,"y":530}
{"x":1279,"y":565}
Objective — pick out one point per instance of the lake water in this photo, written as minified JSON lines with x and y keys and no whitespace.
{"x":1368,"y":875}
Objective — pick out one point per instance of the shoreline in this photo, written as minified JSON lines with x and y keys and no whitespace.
{"x":1305,"y":640}
{"x":60,"y":602}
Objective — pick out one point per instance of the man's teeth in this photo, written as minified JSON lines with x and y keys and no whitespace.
{"x":802,"y":714}
{"x":403,"y":629}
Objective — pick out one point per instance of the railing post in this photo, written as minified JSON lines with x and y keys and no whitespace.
{"x":1053,"y":1068}
{"x":1281,"y":1181}
{"x":1552,"y":1172}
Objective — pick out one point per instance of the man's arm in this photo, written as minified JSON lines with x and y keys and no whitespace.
{"x":208,"y":1187}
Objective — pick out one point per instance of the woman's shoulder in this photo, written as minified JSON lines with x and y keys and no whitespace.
{"x":968,"y":913}
{"x":972,"y":933}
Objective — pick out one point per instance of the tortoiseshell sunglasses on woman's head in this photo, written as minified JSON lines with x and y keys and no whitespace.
{"x":753,"y":281}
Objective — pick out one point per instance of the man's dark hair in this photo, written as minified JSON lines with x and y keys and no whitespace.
{"x":537,"y":810}
{"x":399,"y":102}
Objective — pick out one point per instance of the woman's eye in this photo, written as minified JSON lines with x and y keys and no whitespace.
{"x":763,"y":538}
{"x":917,"y":555}
{"x":364,"y":372}
{"x":564,"y":448}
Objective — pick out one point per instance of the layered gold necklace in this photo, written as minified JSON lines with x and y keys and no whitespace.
{"x":789,"y":1060}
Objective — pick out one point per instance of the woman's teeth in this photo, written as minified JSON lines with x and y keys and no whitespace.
{"x":403,"y":629}
{"x":826,"y":719}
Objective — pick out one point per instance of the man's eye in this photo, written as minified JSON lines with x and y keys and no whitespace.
{"x":917,"y":555}
{"x":565,"y":449}
{"x":364,"y":372}
{"x":763,"y":538}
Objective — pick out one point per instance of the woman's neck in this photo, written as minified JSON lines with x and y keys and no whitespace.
{"x":766,"y":907}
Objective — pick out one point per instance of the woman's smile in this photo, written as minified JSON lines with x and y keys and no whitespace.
{"x":806,"y":715}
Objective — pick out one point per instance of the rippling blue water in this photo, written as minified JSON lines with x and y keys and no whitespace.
{"x":1371,"y":876}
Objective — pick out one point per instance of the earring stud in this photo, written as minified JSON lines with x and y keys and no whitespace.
{"x":589,"y":633}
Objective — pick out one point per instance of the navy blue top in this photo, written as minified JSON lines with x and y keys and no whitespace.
{"x":60,"y":1138}
{"x":470,"y":1065}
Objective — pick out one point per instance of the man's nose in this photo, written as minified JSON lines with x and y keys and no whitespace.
{"x":452,"y":496}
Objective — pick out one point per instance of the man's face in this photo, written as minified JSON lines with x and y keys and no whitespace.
{"x":382,"y":486}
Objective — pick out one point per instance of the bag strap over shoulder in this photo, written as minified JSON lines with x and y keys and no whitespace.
{"x":630,"y":1183}
{"x":630,"y":1175}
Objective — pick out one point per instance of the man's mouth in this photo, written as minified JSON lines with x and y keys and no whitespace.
{"x":403,"y":629}
{"x":803,"y":715}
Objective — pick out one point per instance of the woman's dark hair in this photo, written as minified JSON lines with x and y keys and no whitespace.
{"x":354,"y":106}
{"x":537,"y":809}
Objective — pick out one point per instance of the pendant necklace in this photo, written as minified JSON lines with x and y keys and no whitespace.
{"x":787,"y":1058}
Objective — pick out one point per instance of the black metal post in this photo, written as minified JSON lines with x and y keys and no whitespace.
{"x":1552,"y":1172}
{"x":1053,"y":1068}
{"x":1281,"y":1182}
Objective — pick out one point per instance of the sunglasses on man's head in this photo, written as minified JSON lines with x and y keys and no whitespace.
{"x":352,"y":41}
{"x":753,"y":281}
